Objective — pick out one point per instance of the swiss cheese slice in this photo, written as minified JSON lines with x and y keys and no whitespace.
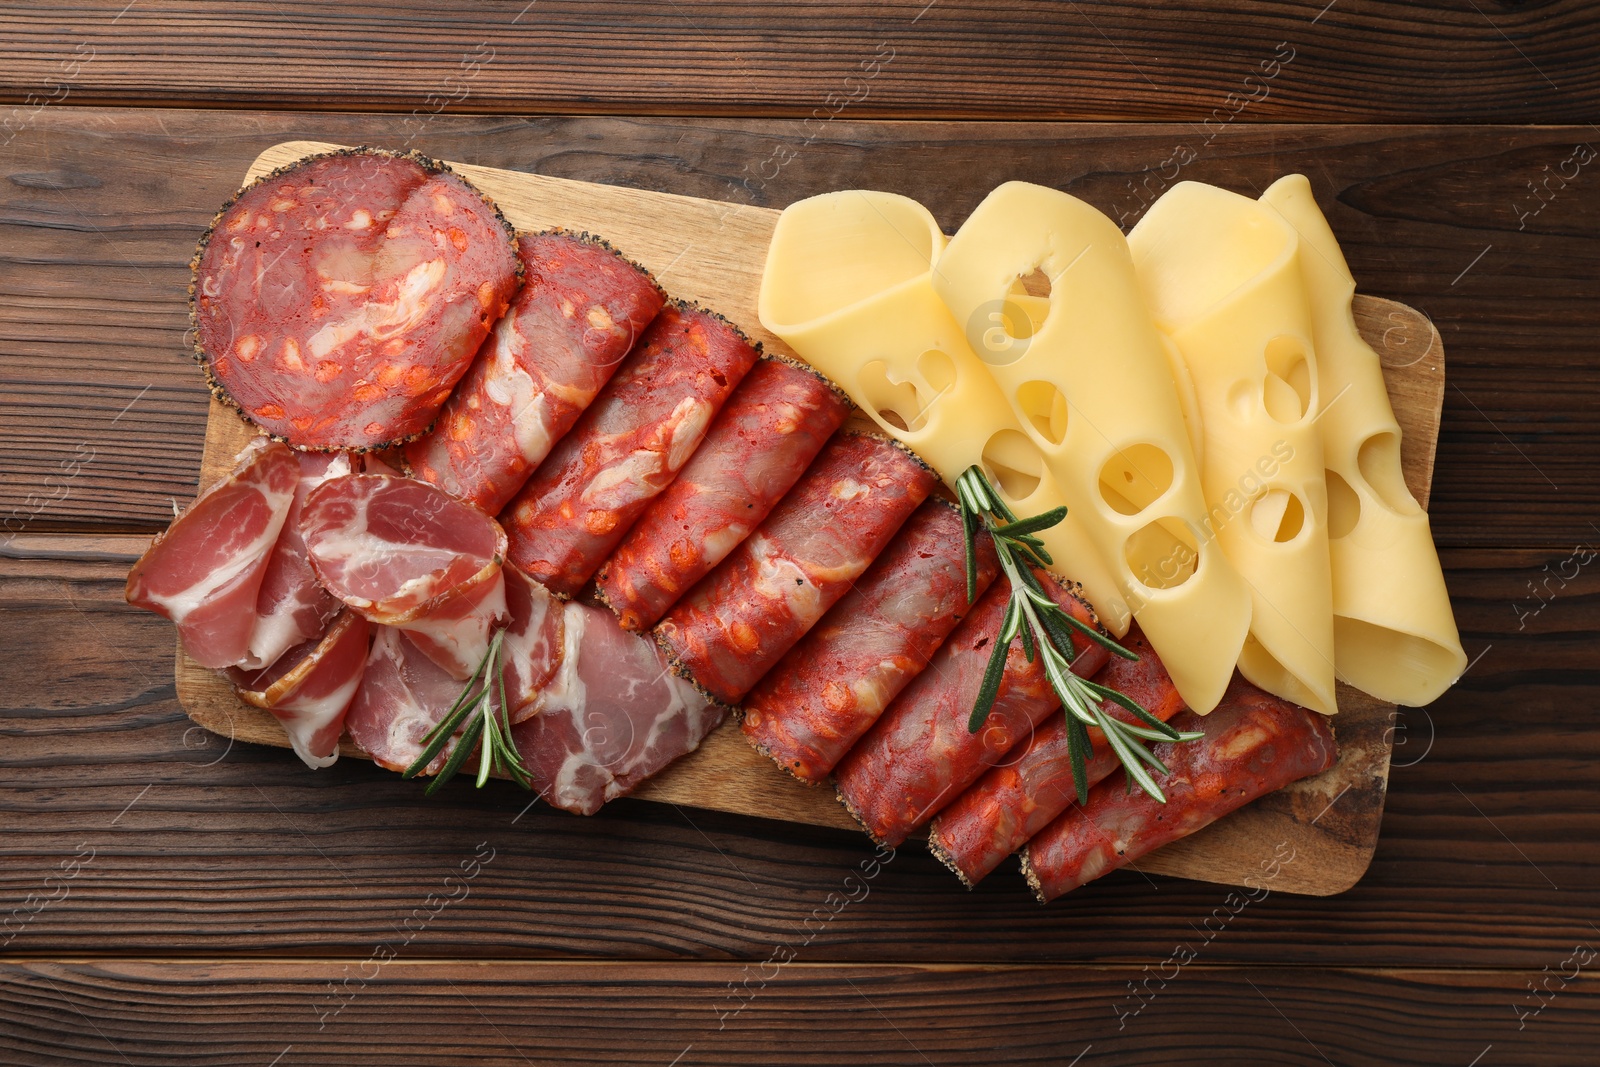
{"x":1090,"y":381}
{"x":847,"y":287}
{"x":1394,"y":634}
{"x":1221,"y":274}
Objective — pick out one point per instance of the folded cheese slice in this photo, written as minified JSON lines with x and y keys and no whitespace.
{"x":1393,"y":632}
{"x":847,"y":285}
{"x":1221,"y":275}
{"x":1089,"y":379}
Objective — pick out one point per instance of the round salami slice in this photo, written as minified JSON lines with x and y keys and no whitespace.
{"x":773,"y":427}
{"x":337,"y":301}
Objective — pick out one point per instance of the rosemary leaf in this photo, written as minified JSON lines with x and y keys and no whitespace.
{"x":969,"y":537}
{"x":990,"y":687}
{"x":1077,"y":747}
{"x":1167,"y":733}
{"x":1023,"y":527}
{"x":464,"y":746}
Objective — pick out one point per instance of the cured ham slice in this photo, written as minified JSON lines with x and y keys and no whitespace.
{"x":736,"y":624}
{"x":1024,"y":793}
{"x":626,"y":448}
{"x":613,"y":715}
{"x":532,"y":644}
{"x":310,"y":687}
{"x":581,"y":309}
{"x":338,"y":300}
{"x":205,"y":571}
{"x":403,"y":695}
{"x":408,"y":554}
{"x":920,"y":755}
{"x":832,"y":686}
{"x":772,"y":428}
{"x":292,"y":607}
{"x":1254,"y":743}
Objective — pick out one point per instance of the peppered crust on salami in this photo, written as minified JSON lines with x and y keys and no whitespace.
{"x":337,"y":300}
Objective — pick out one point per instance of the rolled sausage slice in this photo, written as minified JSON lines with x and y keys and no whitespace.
{"x":1254,"y":743}
{"x":832,"y":686}
{"x":771,"y":429}
{"x":626,"y":448}
{"x":920,"y":755}
{"x":580,"y":311}
{"x":309,"y":688}
{"x":1023,"y":793}
{"x":204,"y":571}
{"x":407,"y":554}
{"x":338,"y":300}
{"x":737,"y":623}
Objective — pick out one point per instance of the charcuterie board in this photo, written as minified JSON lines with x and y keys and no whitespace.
{"x":714,"y":252}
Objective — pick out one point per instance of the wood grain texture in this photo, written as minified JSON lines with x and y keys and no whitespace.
{"x":337,"y":1012}
{"x":1490,"y":841}
{"x":99,"y":213}
{"x":714,"y":253}
{"x":1384,"y":60}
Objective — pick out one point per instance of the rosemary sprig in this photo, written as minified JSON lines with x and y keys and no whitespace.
{"x":1046,"y":629}
{"x":480,"y":713}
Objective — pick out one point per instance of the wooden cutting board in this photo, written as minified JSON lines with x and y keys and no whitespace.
{"x":713,"y":252}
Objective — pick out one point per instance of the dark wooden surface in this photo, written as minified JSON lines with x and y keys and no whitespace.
{"x":219,"y":891}
{"x":1348,"y":60}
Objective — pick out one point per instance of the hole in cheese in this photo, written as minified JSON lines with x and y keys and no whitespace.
{"x":1344,"y":506}
{"x":1162,"y":554}
{"x":1034,"y":283}
{"x":1379,"y":462}
{"x":1045,"y":408}
{"x":1286,"y":390}
{"x":1277,"y":515}
{"x":901,"y":400}
{"x":1014,"y":464}
{"x":1134,"y":478}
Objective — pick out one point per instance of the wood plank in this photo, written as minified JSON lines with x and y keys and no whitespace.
{"x":102,"y":209}
{"x":357,"y":1012}
{"x":729,"y":243}
{"x":1490,"y":841}
{"x":1191,"y":60}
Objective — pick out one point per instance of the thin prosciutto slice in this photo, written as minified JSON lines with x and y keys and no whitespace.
{"x":613,"y":715}
{"x":205,"y":572}
{"x":407,"y":554}
{"x":310,"y":687}
{"x":403,"y":695}
{"x":292,"y":607}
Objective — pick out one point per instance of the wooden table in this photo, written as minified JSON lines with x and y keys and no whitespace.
{"x":171,"y":899}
